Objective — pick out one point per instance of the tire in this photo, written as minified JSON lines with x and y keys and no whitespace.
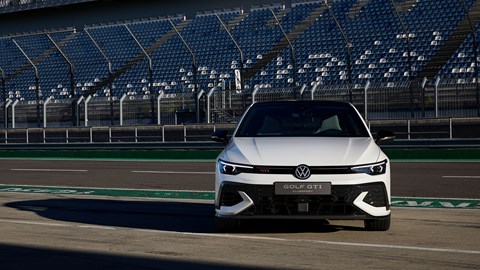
{"x":227,"y":224}
{"x":377,"y":224}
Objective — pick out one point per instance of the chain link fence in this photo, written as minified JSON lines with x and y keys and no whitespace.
{"x":453,"y":99}
{"x":100,"y":111}
{"x":375,"y":101}
{"x":227,"y":106}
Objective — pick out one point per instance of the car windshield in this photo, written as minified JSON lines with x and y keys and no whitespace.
{"x":302,"y":119}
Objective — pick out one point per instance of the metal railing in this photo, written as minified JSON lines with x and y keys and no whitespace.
{"x":406,"y":129}
{"x":108,"y":134}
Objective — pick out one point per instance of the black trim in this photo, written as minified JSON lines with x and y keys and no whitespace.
{"x":338,"y":205}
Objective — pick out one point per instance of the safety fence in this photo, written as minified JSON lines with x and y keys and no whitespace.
{"x":403,"y":100}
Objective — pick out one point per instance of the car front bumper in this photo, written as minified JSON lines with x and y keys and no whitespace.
{"x":357,"y":201}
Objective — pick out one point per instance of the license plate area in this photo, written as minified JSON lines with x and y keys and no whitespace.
{"x":296,"y":188}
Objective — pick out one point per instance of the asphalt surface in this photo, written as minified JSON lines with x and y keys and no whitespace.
{"x":51,"y":231}
{"x":438,"y":180}
{"x":64,"y":232}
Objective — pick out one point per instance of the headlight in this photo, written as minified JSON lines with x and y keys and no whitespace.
{"x":232,"y":168}
{"x":371,"y":169}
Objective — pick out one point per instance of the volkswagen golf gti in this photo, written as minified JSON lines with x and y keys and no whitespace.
{"x":302,"y":160}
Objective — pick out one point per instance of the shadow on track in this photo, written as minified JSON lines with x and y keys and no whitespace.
{"x":165,"y":216}
{"x":24,"y":257}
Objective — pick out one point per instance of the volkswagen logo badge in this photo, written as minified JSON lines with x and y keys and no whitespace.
{"x":302,"y":172}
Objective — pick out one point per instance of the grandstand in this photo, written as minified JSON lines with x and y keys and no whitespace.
{"x":402,"y":51}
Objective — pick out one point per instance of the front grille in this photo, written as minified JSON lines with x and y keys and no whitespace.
{"x":291,"y":170}
{"x":339,"y":203}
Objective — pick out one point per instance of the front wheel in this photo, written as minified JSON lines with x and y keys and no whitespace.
{"x":377,"y":224}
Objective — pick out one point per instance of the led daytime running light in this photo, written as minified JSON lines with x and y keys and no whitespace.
{"x":232,"y":168}
{"x":371,"y":169}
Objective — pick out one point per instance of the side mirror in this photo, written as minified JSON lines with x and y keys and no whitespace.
{"x":384,"y":136}
{"x":220,"y":136}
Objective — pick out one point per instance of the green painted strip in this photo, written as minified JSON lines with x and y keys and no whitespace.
{"x":209,"y":195}
{"x":166,"y":194}
{"x":436,"y":203}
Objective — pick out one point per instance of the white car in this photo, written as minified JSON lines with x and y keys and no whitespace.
{"x":302,"y":160}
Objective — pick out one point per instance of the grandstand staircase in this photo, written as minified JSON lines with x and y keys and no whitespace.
{"x":158,"y":43}
{"x":235,"y":21}
{"x":42,"y":56}
{"x":405,"y":5}
{"x":451,"y":45}
{"x":272,"y":22}
{"x":357,"y":8}
{"x":283,"y":44}
{"x":402,"y":7}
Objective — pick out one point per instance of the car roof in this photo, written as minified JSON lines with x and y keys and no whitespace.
{"x":306,"y":102}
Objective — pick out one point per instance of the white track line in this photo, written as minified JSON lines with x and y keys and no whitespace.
{"x":48,"y":170}
{"x":462,"y":176}
{"x":260,"y":238}
{"x":172,"y":172}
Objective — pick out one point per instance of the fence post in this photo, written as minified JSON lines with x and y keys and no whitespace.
{"x":408,"y":129}
{"x":424,"y":83}
{"x":45,"y":104}
{"x":124,"y":96}
{"x":254,"y":93}
{"x":136,"y":134}
{"x":13,"y":112}
{"x":163,"y":133}
{"x":4,"y":98}
{"x":437,"y":82}
{"x":91,"y":135}
{"x":159,"y":98}
{"x":450,"y":122}
{"x":184,"y":133}
{"x":198,"y":97}
{"x":77,"y":109}
{"x":87,"y":100}
{"x":314,"y":89}
{"x":365,"y":90}
{"x":209,"y":116}
{"x":302,"y":90}
{"x":8,"y":102}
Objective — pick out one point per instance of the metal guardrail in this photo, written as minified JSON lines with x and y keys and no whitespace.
{"x":418,"y":129}
{"x":108,"y":134}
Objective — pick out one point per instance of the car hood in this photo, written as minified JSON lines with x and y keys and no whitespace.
{"x":292,"y":151}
